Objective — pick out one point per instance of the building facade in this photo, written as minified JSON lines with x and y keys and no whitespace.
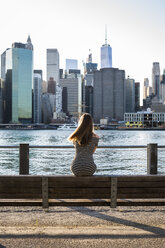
{"x":72,"y":96}
{"x":18,"y":83}
{"x":144,"y":119}
{"x":162,"y":85}
{"x":53,"y":71}
{"x":53,"y":65}
{"x":106,"y":56}
{"x":137,"y":96}
{"x":48,"y":109}
{"x":156,"y":79}
{"x":1,"y":100}
{"x":145,"y":87}
{"x":89,"y":69}
{"x":129,"y":95}
{"x":51,"y":86}
{"x":108,"y":94}
{"x":37,"y":92}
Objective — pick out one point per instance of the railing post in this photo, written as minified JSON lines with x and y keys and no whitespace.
{"x":152,"y":155}
{"x":24,"y":159}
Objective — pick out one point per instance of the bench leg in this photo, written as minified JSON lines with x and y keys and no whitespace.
{"x":45,"y":201}
{"x":113,"y":192}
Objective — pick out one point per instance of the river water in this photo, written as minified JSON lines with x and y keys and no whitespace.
{"x":57,"y":161}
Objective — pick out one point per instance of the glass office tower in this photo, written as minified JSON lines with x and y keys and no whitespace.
{"x":106,"y":56}
{"x":19,"y":60}
{"x":22,"y":85}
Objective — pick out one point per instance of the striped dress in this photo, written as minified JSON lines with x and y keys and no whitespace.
{"x":83,"y":164}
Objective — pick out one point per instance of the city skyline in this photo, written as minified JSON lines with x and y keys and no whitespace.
{"x":134,"y":31}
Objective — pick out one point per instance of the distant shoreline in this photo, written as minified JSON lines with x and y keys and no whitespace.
{"x":109,"y":129}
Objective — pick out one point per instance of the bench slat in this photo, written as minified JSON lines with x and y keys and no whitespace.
{"x":141,"y":190}
{"x":140,"y":196}
{"x":148,"y":178}
{"x":24,"y":188}
{"x":138,"y":184}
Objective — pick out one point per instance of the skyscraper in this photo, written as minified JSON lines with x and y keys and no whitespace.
{"x":1,"y":99}
{"x":37,"y":91}
{"x":3,"y":64}
{"x":106,"y":54}
{"x":53,"y":71}
{"x":145,"y":87}
{"x":137,"y":96}
{"x":53,"y":65}
{"x":89,"y":69}
{"x":72,"y":93}
{"x":129,"y":95}
{"x":18,"y":81}
{"x":108,"y":94}
{"x":162,"y":85}
{"x":156,"y":79}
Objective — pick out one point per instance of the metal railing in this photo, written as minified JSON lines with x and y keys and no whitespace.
{"x":152,"y":151}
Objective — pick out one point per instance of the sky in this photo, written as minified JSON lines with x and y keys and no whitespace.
{"x":135,"y":31}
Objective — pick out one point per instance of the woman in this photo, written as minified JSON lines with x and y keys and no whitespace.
{"x":85,"y":142}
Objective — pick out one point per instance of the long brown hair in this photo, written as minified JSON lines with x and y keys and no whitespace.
{"x":84,"y":131}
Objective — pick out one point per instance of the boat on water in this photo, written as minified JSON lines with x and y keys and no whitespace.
{"x":68,"y":127}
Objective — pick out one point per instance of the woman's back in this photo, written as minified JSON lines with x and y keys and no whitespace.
{"x":83,"y":164}
{"x":85,"y":142}
{"x":87,"y":150}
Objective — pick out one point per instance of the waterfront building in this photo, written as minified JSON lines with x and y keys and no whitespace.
{"x":18,"y":83}
{"x":37,"y":92}
{"x":108,"y":94}
{"x":71,"y":64}
{"x":156,"y":79}
{"x":72,"y":96}
{"x":53,"y":71}
{"x":145,"y":119}
{"x":106,"y":54}
{"x":129,"y":95}
{"x":137,"y":96}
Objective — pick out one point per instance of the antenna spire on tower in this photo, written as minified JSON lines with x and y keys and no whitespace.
{"x":105,"y":34}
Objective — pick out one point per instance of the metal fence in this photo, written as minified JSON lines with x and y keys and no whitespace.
{"x":27,"y":159}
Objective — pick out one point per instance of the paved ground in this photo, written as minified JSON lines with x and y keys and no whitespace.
{"x":82,"y":227}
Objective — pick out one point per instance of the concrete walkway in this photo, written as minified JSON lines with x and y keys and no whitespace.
{"x":82,"y":227}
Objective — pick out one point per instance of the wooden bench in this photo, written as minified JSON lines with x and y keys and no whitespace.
{"x":69,"y":190}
